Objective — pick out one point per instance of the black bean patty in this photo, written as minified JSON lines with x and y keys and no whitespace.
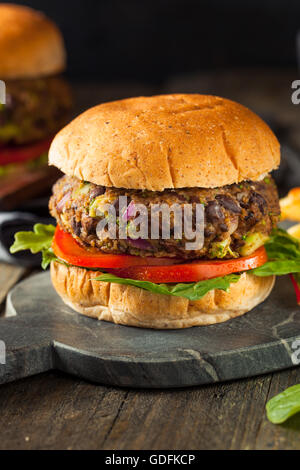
{"x":34,"y":110}
{"x":231,"y":214}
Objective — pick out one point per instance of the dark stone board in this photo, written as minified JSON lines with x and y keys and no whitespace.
{"x":45,"y":334}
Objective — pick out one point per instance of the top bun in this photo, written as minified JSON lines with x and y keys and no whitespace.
{"x":168,"y":141}
{"x":31,"y":45}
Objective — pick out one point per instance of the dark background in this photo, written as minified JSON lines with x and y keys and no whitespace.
{"x":238,"y":49}
{"x":152,"y":40}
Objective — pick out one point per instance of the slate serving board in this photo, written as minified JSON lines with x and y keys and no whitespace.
{"x":42,"y":334}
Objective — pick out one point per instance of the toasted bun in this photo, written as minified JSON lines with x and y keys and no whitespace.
{"x":30,"y":44}
{"x":168,"y":141}
{"x":128,"y":305}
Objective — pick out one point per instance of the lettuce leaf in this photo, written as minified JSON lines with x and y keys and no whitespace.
{"x":284,"y":255}
{"x":193,"y":291}
{"x":38,"y":241}
{"x":47,"y":257}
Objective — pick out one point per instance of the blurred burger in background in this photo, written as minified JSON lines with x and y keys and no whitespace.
{"x":38,"y":100}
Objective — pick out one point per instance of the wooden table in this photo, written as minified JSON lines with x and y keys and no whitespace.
{"x":54,"y":411}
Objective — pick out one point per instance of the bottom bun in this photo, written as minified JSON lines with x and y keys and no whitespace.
{"x":129,"y":305}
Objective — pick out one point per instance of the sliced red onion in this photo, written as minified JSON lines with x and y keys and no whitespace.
{"x":140,"y":244}
{"x":130,"y":212}
{"x":60,"y":205}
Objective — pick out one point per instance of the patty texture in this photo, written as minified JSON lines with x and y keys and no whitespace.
{"x":35,"y":109}
{"x":234,"y":215}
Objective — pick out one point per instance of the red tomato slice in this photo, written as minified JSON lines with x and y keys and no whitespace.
{"x":194,"y":271}
{"x":23,"y":153}
{"x":158,"y":270}
{"x":66,"y":248}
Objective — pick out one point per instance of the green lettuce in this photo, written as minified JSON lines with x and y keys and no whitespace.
{"x":38,"y":241}
{"x":283,"y":406}
{"x":284,"y":255}
{"x":193,"y":291}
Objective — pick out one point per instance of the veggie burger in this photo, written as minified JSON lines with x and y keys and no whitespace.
{"x":38,"y":99}
{"x":187,"y":150}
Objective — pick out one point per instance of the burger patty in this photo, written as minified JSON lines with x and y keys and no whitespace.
{"x":34,"y":110}
{"x":232,"y":213}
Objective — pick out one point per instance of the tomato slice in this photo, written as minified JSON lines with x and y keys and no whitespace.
{"x":23,"y":153}
{"x":66,"y":248}
{"x":194,"y":271}
{"x":158,"y":270}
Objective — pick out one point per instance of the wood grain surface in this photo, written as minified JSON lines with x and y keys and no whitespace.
{"x":55,"y":411}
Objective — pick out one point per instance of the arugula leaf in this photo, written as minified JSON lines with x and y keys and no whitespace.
{"x":38,"y":240}
{"x":193,"y":291}
{"x":283,"y":406}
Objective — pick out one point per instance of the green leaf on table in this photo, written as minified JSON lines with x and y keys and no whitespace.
{"x":283,"y":406}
